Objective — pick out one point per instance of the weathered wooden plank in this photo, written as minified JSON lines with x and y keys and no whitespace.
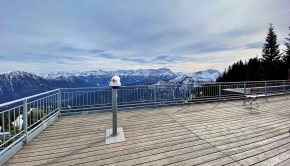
{"x":206,"y":134}
{"x":276,"y":159}
{"x":263,"y":155}
{"x":286,"y":162}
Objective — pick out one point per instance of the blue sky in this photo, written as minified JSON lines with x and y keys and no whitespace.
{"x":183,"y":35}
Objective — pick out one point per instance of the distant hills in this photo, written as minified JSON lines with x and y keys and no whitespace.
{"x":18,"y":84}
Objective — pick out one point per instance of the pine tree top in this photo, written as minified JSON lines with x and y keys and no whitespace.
{"x":271,"y":52}
{"x":287,"y":44}
{"x":289,"y":36}
{"x":286,"y":57}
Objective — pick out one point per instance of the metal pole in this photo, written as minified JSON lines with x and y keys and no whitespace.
{"x":25,"y":117}
{"x":114,"y":107}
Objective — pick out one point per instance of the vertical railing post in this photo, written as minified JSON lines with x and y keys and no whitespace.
{"x":266,"y":88}
{"x":114,"y":107}
{"x":284,"y":87}
{"x":155,"y":102}
{"x":59,"y":100}
{"x":245,"y":87}
{"x":25,"y":121}
{"x":3,"y":127}
{"x":190,"y":94}
{"x":220,"y":91}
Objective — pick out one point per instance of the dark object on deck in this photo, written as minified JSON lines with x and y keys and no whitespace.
{"x":254,"y":90}
{"x":288,"y":74}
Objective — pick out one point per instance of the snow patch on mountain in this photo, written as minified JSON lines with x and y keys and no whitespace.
{"x":140,"y":72}
{"x":209,"y":75}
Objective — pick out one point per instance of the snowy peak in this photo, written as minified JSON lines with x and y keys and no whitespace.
{"x":56,"y":75}
{"x":139,"y":72}
{"x":18,"y":75}
{"x":17,"y":84}
{"x":209,"y":75}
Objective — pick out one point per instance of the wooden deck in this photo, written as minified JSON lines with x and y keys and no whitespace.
{"x":198,"y":134}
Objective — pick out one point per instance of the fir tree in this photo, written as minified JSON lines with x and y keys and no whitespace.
{"x":270,"y":52}
{"x":286,"y":57}
{"x":269,"y":67}
{"x":254,"y":70}
{"x":271,"y":55}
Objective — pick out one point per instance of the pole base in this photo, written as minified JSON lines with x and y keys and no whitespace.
{"x":120,"y":137}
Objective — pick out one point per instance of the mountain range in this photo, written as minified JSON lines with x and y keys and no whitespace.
{"x":18,"y":84}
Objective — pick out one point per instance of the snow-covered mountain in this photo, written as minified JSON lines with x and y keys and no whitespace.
{"x":17,"y":84}
{"x":209,"y":75}
{"x":101,"y":77}
{"x":140,"y":72}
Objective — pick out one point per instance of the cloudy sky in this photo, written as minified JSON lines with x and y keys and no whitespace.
{"x":187,"y":36}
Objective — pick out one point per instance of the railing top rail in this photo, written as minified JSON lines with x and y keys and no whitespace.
{"x":171,"y":84}
{"x":251,"y":81}
{"x":85,"y":88}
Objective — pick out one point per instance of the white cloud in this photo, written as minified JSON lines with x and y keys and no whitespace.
{"x":195,"y":34}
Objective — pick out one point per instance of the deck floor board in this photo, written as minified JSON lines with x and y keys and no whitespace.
{"x":196,"y":134}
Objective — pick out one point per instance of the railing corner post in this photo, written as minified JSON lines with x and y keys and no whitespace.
{"x":25,"y":120}
{"x":59,"y":100}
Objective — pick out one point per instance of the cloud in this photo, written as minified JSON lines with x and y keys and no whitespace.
{"x":166,"y":33}
{"x":240,"y":32}
{"x":60,"y":47}
{"x":206,"y":47}
{"x":161,"y":57}
{"x":254,"y":45}
{"x":135,"y":59}
{"x":95,"y":50}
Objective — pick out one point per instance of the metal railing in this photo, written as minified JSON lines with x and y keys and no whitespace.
{"x":81,"y":99}
{"x":20,"y":119}
{"x":23,"y":119}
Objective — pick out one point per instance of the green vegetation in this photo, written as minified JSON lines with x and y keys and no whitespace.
{"x":286,"y":57}
{"x":272,"y":66}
